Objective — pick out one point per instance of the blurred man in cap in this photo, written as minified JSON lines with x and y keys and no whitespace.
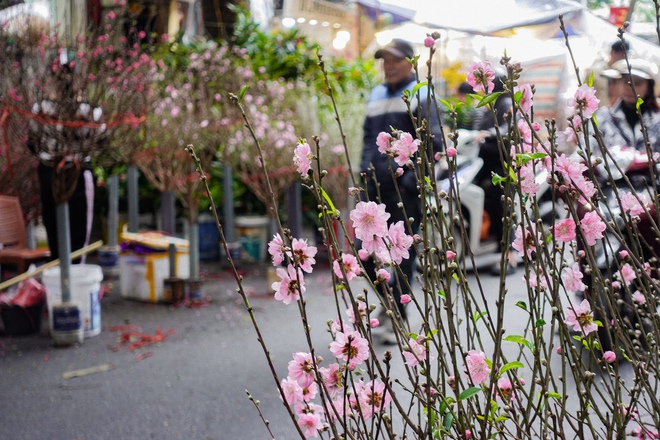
{"x":386,"y":110}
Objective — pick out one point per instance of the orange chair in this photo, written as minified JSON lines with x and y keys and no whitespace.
{"x":13,"y":237}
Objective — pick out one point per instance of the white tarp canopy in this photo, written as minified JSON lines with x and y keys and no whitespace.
{"x":472,"y":30}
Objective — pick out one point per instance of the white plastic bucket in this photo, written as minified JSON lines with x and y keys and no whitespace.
{"x":85,"y":285}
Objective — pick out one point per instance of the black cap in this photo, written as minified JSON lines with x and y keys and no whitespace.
{"x":398,"y":48}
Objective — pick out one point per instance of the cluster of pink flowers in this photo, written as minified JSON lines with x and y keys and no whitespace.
{"x":418,"y":352}
{"x":305,"y":376}
{"x":370,"y":223}
{"x":583,"y":104}
{"x":301,"y":259}
{"x":572,"y":173}
{"x":401,"y":148}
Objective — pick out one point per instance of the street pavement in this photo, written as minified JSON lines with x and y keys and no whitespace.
{"x":191,"y":385}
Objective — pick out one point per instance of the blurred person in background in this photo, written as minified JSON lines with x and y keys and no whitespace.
{"x":387,"y":110}
{"x":620,"y":123}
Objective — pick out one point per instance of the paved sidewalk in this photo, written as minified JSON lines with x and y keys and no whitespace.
{"x":191,"y":385}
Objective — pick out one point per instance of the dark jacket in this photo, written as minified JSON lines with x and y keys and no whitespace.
{"x":386,"y":110}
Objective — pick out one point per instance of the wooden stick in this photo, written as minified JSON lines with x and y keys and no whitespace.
{"x":75,"y":254}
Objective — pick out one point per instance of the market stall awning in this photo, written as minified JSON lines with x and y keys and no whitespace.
{"x":473,"y":16}
{"x":375,"y":8}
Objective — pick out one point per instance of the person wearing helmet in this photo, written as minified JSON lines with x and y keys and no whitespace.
{"x":620,"y":123}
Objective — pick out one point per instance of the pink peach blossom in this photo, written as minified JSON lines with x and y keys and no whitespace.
{"x":528,"y":183}
{"x":373,"y":397}
{"x":350,"y":346}
{"x":276,"y":249}
{"x":527,"y":98}
{"x":627,"y":273}
{"x":631,"y":204}
{"x":400,"y":242}
{"x":584,"y":99}
{"x":333,"y":378}
{"x":302,"y":158}
{"x":638,"y":297}
{"x":301,"y":369}
{"x":581,"y":318}
{"x":383,"y":275}
{"x":481,"y":76}
{"x":417,"y":352}
{"x":565,"y":230}
{"x":384,"y":143}
{"x":505,"y":389}
{"x":592,"y":227}
{"x":292,"y":391}
{"x":349,"y":263}
{"x":311,"y":424}
{"x":290,"y":286}
{"x":572,"y":278}
{"x":404,"y":148}
{"x":303,"y":254}
{"x":609,"y":356}
{"x":476,"y":366}
{"x":369,"y":220}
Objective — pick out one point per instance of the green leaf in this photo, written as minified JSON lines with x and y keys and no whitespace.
{"x":476,"y":97}
{"x":510,"y":366}
{"x":489,"y":98}
{"x":526,"y":157}
{"x":512,"y":173}
{"x":522,"y":305}
{"x":441,"y":294}
{"x":446,"y":103}
{"x":539,"y":323}
{"x":555,"y":395}
{"x":243,"y":92}
{"x":417,"y":87}
{"x":639,"y":103}
{"x":326,"y":197}
{"x":476,"y":316}
{"x":466,"y":394}
{"x":590,"y":79}
{"x":517,"y":96}
{"x":449,"y":420}
{"x":497,"y":179}
{"x":518,"y":340}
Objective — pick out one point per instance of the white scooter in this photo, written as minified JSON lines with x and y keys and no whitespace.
{"x":472,"y":196}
